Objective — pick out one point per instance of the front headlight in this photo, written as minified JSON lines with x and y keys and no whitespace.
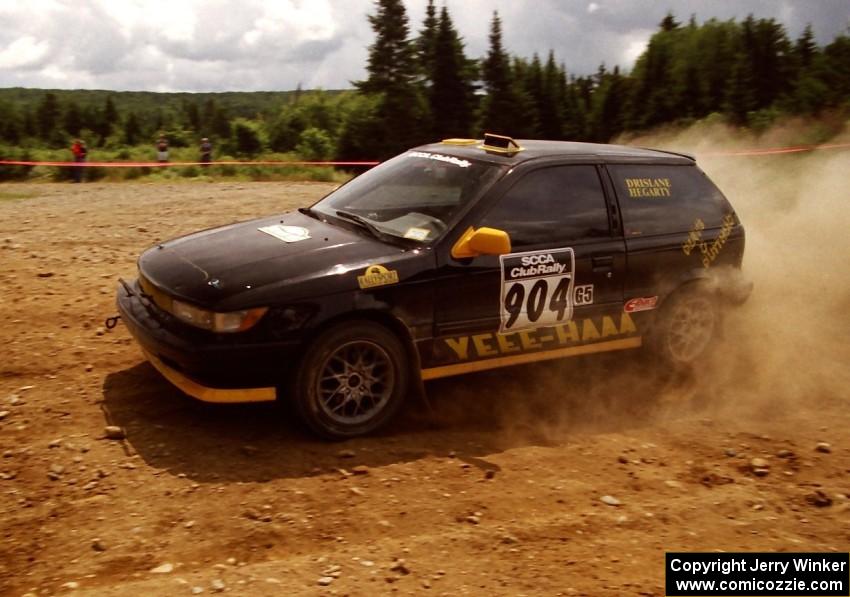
{"x":234,"y":321}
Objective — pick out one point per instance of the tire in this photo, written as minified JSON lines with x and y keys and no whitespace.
{"x":687,"y":326}
{"x":352,"y":379}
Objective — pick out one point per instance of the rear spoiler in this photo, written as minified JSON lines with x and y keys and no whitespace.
{"x":682,"y":154}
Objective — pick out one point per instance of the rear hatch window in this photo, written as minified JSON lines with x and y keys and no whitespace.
{"x":665,"y":199}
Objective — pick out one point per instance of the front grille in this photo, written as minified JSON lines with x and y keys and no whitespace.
{"x":160,"y":299}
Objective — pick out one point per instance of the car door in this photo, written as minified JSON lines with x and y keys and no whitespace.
{"x":559,"y":287}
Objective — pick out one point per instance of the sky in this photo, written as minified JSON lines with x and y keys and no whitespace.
{"x":251,"y":45}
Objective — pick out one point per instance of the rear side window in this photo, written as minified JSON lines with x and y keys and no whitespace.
{"x":552,"y":206}
{"x":667,"y":199}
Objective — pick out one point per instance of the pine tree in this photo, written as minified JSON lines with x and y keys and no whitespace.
{"x":159,"y":122}
{"x":73,"y":119}
{"x":110,"y":111}
{"x":207,"y":115}
{"x":583,"y":93}
{"x":424,"y":52}
{"x":132,"y":129}
{"x":220,"y":124}
{"x":451,"y":94}
{"x":553,"y":98}
{"x":500,"y":106}
{"x":740,"y":100}
{"x":805,"y":48}
{"x":651,"y":102}
{"x":392,"y":74}
{"x":391,"y":56}
{"x":426,"y":43}
{"x":770,"y":52}
{"x":668,"y":23}
{"x":10,"y":128}
{"x":192,"y":115}
{"x":572,"y":120}
{"x":47,"y":117}
{"x":709,"y":55}
{"x":30,"y":125}
{"x":608,"y":112}
{"x":110,"y":117}
{"x":533,"y":87}
{"x":836,"y":69}
{"x":691,"y":98}
{"x":101,"y":121}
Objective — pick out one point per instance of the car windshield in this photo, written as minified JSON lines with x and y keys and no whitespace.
{"x":413,"y":196}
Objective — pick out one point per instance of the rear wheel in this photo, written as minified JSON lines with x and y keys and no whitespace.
{"x":688,"y":324}
{"x":352,"y":380}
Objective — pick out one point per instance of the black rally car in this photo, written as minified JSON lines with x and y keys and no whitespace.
{"x":452,"y":257}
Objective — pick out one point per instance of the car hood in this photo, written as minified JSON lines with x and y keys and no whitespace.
{"x":241,"y":265}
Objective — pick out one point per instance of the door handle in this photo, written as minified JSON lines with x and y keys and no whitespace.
{"x":603,"y":264}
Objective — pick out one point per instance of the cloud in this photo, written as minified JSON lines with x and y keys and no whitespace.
{"x":24,"y":53}
{"x":633,"y":44}
{"x":212,"y":45}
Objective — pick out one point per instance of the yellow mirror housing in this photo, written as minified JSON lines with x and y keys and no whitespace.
{"x":484,"y":241}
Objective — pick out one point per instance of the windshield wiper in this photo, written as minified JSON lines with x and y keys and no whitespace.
{"x":308,"y":211}
{"x":366,"y":223}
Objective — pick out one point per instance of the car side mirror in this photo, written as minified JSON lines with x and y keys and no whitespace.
{"x":484,"y":241}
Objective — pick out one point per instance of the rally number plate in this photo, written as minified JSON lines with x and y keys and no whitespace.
{"x":537,"y":289}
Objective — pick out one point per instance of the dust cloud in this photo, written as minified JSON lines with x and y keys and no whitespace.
{"x":785,"y":349}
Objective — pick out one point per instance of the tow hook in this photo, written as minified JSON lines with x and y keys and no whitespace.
{"x":111,"y":322}
{"x":126,"y":286}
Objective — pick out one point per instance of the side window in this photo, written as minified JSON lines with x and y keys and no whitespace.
{"x":667,"y":199}
{"x":552,"y":206}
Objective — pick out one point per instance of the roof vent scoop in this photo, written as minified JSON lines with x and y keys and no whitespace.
{"x":500,"y":144}
{"x":456,"y":141}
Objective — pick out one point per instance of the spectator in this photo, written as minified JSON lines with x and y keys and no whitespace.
{"x":162,"y":150}
{"x":206,"y":152}
{"x":78,"y":148}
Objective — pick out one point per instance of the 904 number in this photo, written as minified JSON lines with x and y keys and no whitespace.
{"x":532,"y":298}
{"x":535,"y":301}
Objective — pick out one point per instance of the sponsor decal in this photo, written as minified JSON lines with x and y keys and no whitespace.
{"x":536,"y":289}
{"x":583,"y":295}
{"x":648,"y":187}
{"x":440,"y":158}
{"x":694,"y":236}
{"x":288,"y":234}
{"x":643,"y":303}
{"x":377,"y":275}
{"x":416,"y":233}
{"x":571,"y":333}
{"x":708,"y":251}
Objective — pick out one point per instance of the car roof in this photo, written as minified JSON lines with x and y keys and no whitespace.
{"x":531,"y":149}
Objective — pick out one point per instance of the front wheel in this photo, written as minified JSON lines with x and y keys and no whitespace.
{"x":352,"y":380}
{"x":688,"y":325}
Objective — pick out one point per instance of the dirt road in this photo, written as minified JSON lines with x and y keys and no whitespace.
{"x":498,"y":491}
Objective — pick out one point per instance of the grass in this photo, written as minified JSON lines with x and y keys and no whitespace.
{"x":14,"y":196}
{"x":232,"y":172}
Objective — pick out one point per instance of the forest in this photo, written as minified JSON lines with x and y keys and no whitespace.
{"x":421,"y":86}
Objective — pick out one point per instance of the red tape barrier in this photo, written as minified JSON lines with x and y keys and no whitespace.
{"x":167,"y":164}
{"x":743,"y":152}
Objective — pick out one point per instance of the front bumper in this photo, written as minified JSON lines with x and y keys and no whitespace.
{"x":207,"y":394}
{"x":212,"y":369}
